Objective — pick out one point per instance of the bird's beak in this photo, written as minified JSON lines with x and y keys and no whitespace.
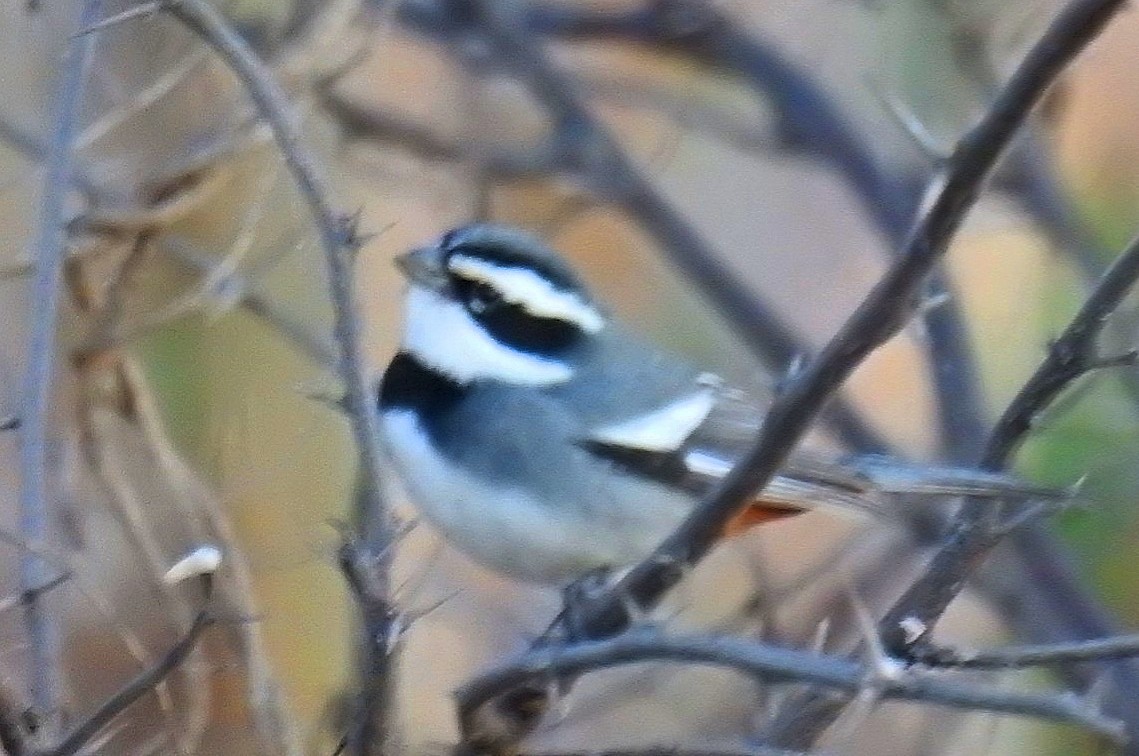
{"x":424,"y":267}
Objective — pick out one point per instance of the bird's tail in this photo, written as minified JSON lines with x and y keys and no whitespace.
{"x":877,"y":486}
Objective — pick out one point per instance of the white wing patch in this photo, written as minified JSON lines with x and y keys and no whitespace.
{"x":530,"y":291}
{"x":663,"y":429}
{"x":441,"y":333}
{"x":706,"y":464}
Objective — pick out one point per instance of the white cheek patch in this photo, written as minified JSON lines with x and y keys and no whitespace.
{"x":661,"y":430}
{"x":442,"y":334}
{"x":530,"y":291}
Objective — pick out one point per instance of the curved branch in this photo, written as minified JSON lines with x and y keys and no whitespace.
{"x":812,"y":123}
{"x":773,"y":664}
{"x":340,"y":240}
{"x":48,"y":252}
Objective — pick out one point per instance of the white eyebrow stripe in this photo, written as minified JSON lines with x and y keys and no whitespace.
{"x":661,"y":430}
{"x":530,"y":291}
{"x":441,"y":332}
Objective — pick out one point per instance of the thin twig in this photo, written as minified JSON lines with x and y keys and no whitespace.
{"x":1035,"y":655}
{"x":143,"y":683}
{"x":149,"y":9}
{"x":340,"y":240}
{"x":774,"y":665}
{"x":48,"y":253}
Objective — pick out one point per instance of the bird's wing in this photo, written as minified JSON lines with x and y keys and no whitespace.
{"x":694,"y":440}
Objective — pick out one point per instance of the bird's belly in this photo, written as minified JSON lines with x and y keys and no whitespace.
{"x":507,"y":529}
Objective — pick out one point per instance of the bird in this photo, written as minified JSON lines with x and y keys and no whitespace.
{"x":548,"y":441}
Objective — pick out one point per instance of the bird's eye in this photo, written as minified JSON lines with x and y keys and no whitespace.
{"x":480,"y":297}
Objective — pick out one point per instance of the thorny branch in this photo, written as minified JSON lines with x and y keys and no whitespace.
{"x":340,"y":240}
{"x":976,"y":532}
{"x":905,"y":629}
{"x":879,"y":317}
{"x":698,"y":38}
{"x":771,"y":664}
{"x":346,"y":236}
{"x":48,"y":252}
{"x":1118,"y":647}
{"x":811,"y":123}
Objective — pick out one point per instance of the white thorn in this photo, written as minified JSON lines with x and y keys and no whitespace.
{"x":883,"y":667}
{"x":557,"y":702}
{"x":822,"y":630}
{"x":913,"y":628}
{"x":933,"y":301}
{"x":914,"y":128}
{"x":395,"y":632}
{"x":203,"y":560}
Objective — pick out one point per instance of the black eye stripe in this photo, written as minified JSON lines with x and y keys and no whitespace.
{"x":510,"y":323}
{"x":515,"y":327}
{"x":475,"y":293}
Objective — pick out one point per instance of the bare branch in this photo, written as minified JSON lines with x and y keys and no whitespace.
{"x":1036,"y":655}
{"x":340,"y":240}
{"x":770,"y":664}
{"x":381,"y":632}
{"x":48,"y":253}
{"x":1071,"y":356}
{"x":975,"y":534}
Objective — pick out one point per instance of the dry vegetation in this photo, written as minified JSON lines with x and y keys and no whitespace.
{"x":200,"y":207}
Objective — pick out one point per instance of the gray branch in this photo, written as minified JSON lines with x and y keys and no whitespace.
{"x":340,"y":241}
{"x":48,"y":252}
{"x":772,"y":664}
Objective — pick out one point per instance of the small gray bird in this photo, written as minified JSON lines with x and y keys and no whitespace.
{"x":546,"y":441}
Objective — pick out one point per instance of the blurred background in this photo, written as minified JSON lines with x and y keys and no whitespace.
{"x":793,"y":139}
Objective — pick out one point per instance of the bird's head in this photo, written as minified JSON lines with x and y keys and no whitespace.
{"x":491,"y":302}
